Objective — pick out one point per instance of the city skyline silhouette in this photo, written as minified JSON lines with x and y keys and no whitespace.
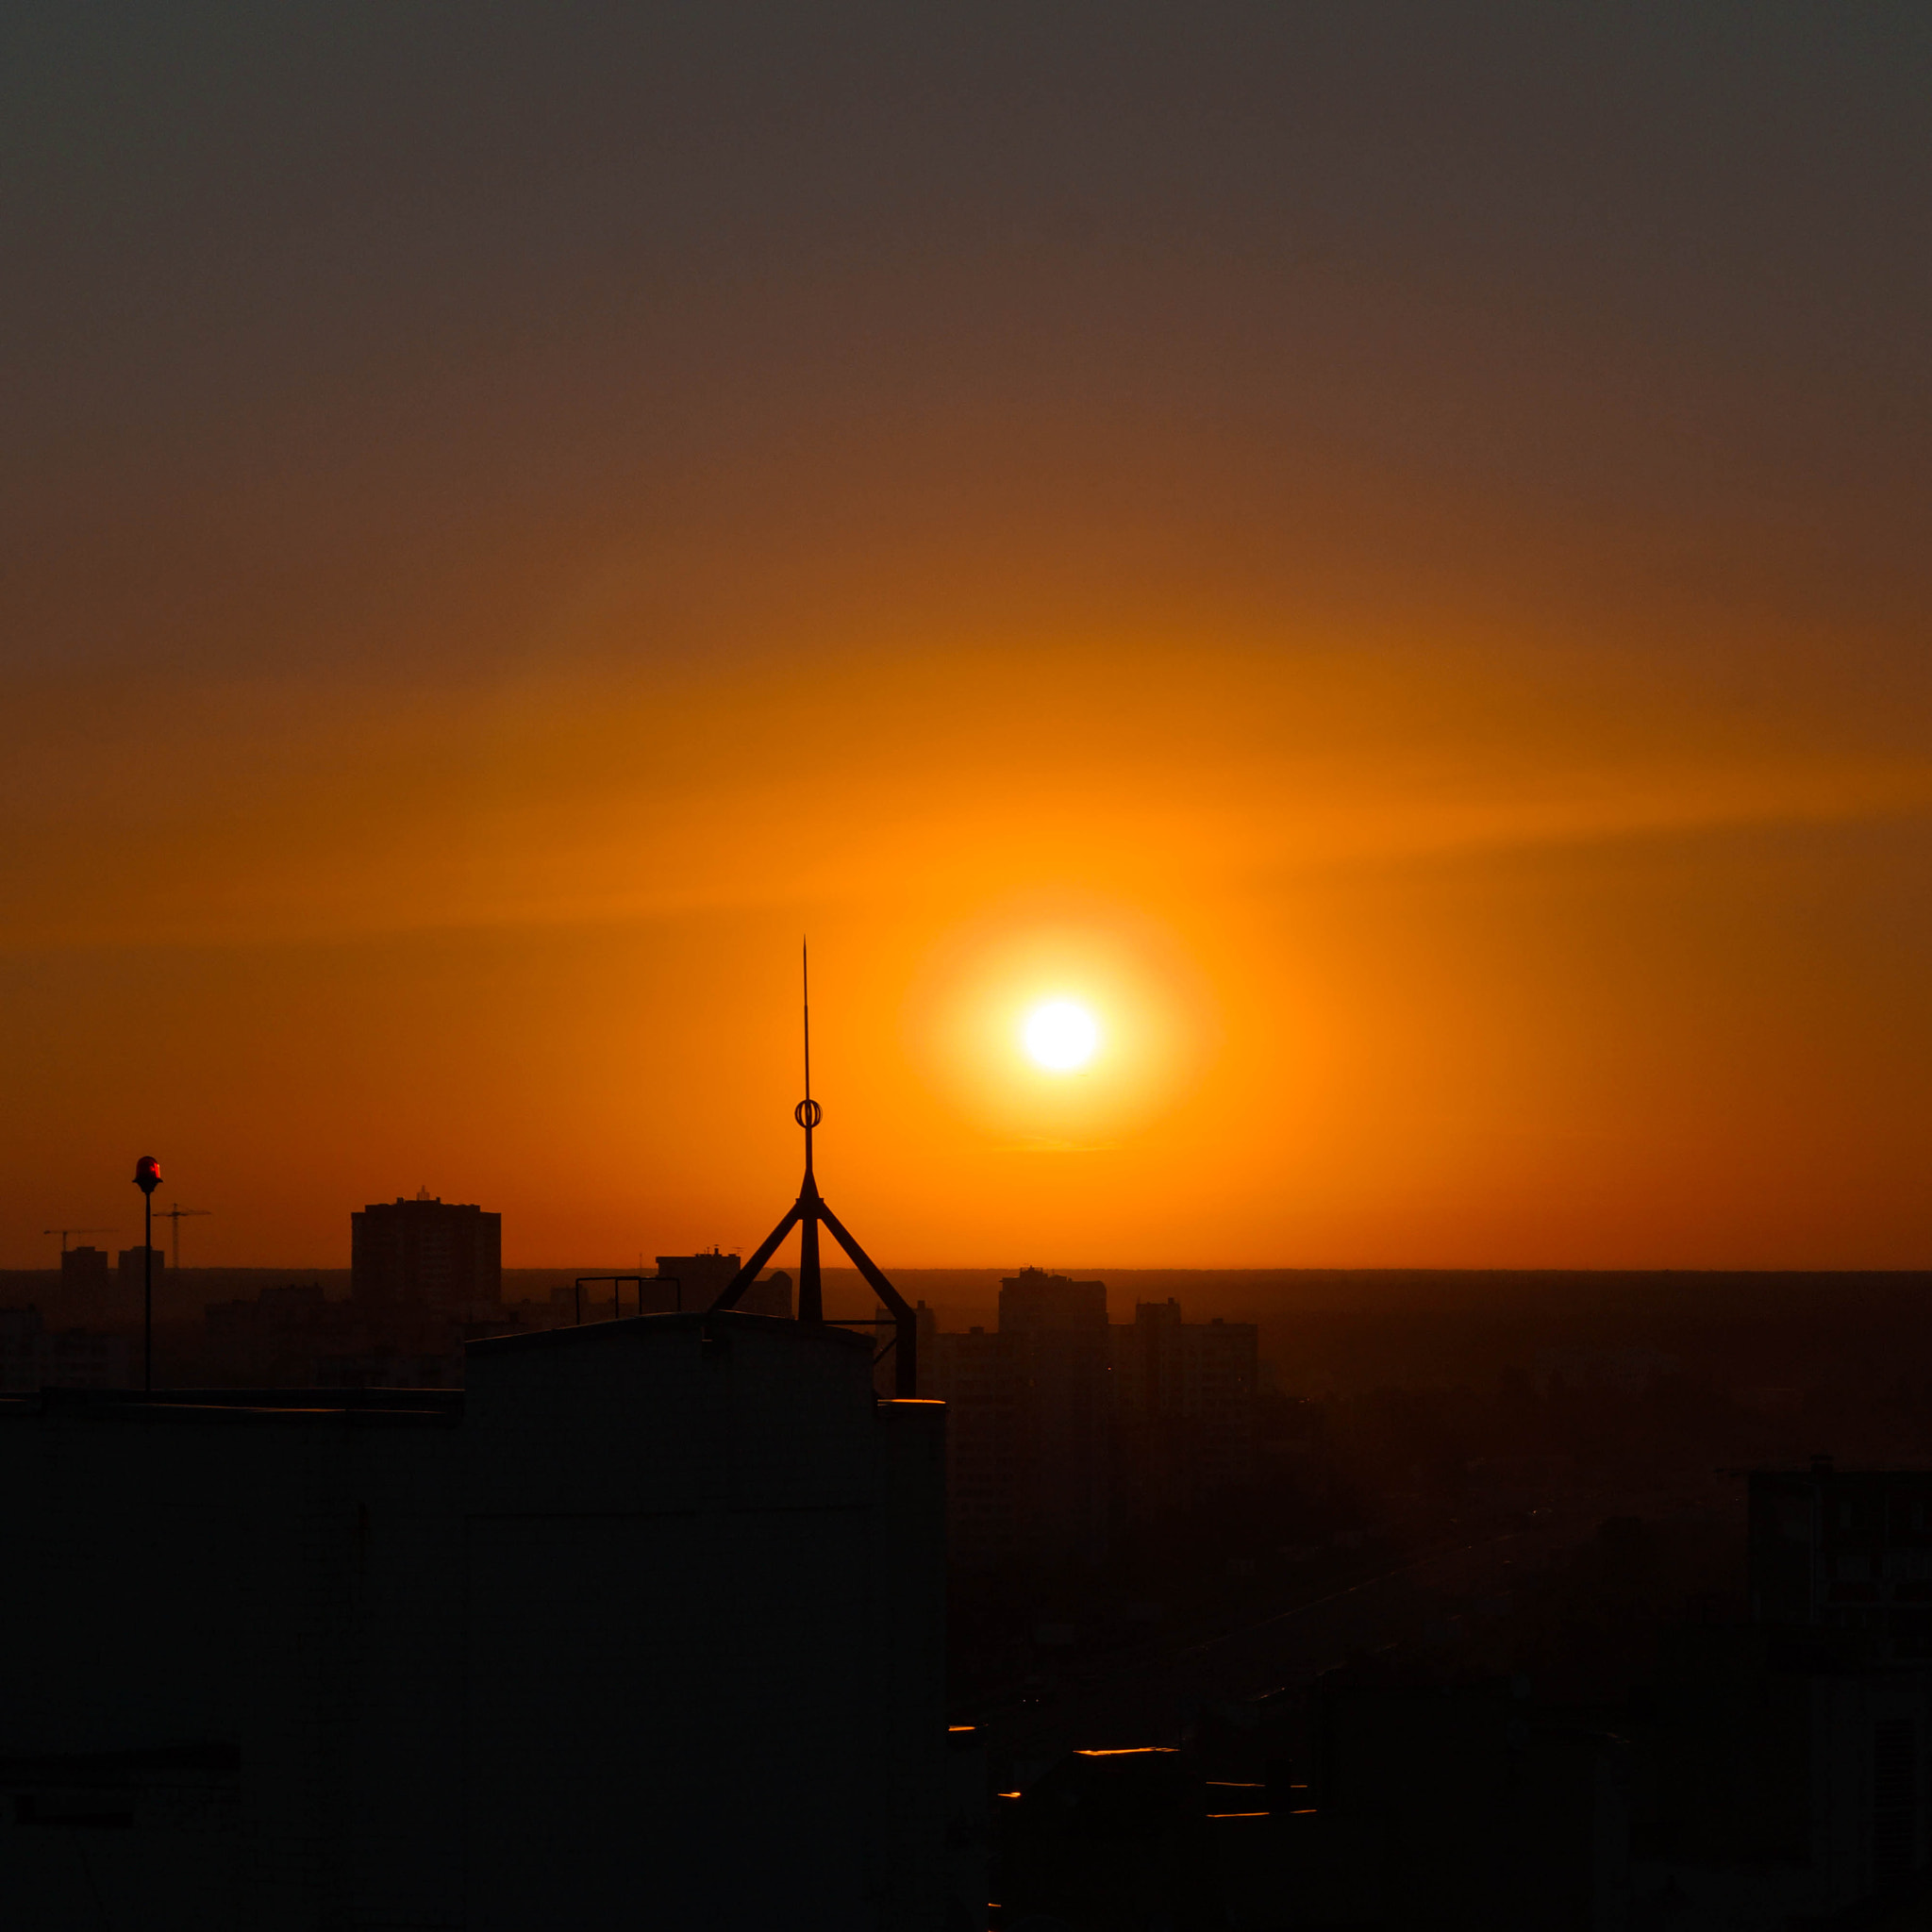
{"x":1028,"y":911}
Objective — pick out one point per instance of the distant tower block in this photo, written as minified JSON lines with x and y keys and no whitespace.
{"x":84,"y":1284}
{"x":131,"y":1277}
{"x":702,"y":1278}
{"x":428,"y":1252}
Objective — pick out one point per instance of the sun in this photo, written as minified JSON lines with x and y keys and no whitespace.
{"x":1060,"y":1035}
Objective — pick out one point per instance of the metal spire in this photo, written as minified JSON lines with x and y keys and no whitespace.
{"x":808,"y":1212}
{"x":808,"y":1113}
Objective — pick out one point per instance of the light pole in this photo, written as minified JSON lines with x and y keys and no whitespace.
{"x":147,"y":1177}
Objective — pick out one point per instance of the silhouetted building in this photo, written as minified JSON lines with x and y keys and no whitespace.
{"x":1060,"y":1426}
{"x":1062,"y":1452}
{"x":1785,"y":1775}
{"x":273,"y":1339}
{"x":695,"y":1281}
{"x":1769,"y":1774}
{"x":644,"y":1627}
{"x":428,"y":1253}
{"x":84,"y":1284}
{"x":131,"y":1270}
{"x":1034,"y":1301}
{"x":1846,"y":1548}
{"x":20,"y":1332}
{"x":288,"y":1305}
{"x":975,"y":1375}
{"x":34,"y":1356}
{"x":1184,"y":1393}
{"x":1773,"y":1774}
{"x":1457,"y":1806}
{"x":1031,"y":1443}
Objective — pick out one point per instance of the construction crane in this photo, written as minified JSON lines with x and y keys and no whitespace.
{"x":177,"y":1215}
{"x":64,"y":1232}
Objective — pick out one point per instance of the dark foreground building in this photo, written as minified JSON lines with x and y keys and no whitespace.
{"x":642,"y":1628}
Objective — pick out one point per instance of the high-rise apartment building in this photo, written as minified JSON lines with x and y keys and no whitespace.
{"x":131,"y":1277}
{"x":976,"y":1376}
{"x":1064,"y":1406}
{"x":1220,"y":1369}
{"x":83,"y":1284}
{"x":428,"y":1253}
{"x":1035,"y":1302}
{"x":1060,"y":1426}
{"x":1029,"y":1442}
{"x":1185,"y":1395}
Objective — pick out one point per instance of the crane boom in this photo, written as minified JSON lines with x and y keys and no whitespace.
{"x":64,"y":1232}
{"x":177,"y":1215}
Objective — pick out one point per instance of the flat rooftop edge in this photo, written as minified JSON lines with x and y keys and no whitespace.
{"x":632,"y":1328}
{"x":289,"y":1407}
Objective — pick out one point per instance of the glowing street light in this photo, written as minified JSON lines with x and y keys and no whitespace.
{"x":147,"y":1177}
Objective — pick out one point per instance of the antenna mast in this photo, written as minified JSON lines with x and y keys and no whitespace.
{"x":811,"y":1298}
{"x":806,"y":1115}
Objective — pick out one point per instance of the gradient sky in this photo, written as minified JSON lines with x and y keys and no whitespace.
{"x":1384,"y":546}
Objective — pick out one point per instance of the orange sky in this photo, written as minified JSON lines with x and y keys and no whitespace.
{"x":1407,"y":599}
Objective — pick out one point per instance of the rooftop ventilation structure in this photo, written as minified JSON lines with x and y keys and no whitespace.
{"x":808,"y":1213}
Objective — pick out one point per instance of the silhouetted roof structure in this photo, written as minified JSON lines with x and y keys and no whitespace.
{"x":807,"y":1214}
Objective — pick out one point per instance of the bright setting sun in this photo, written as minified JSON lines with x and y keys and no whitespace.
{"x":1060,"y":1035}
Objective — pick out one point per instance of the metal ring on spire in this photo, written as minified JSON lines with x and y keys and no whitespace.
{"x":808,"y":1113}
